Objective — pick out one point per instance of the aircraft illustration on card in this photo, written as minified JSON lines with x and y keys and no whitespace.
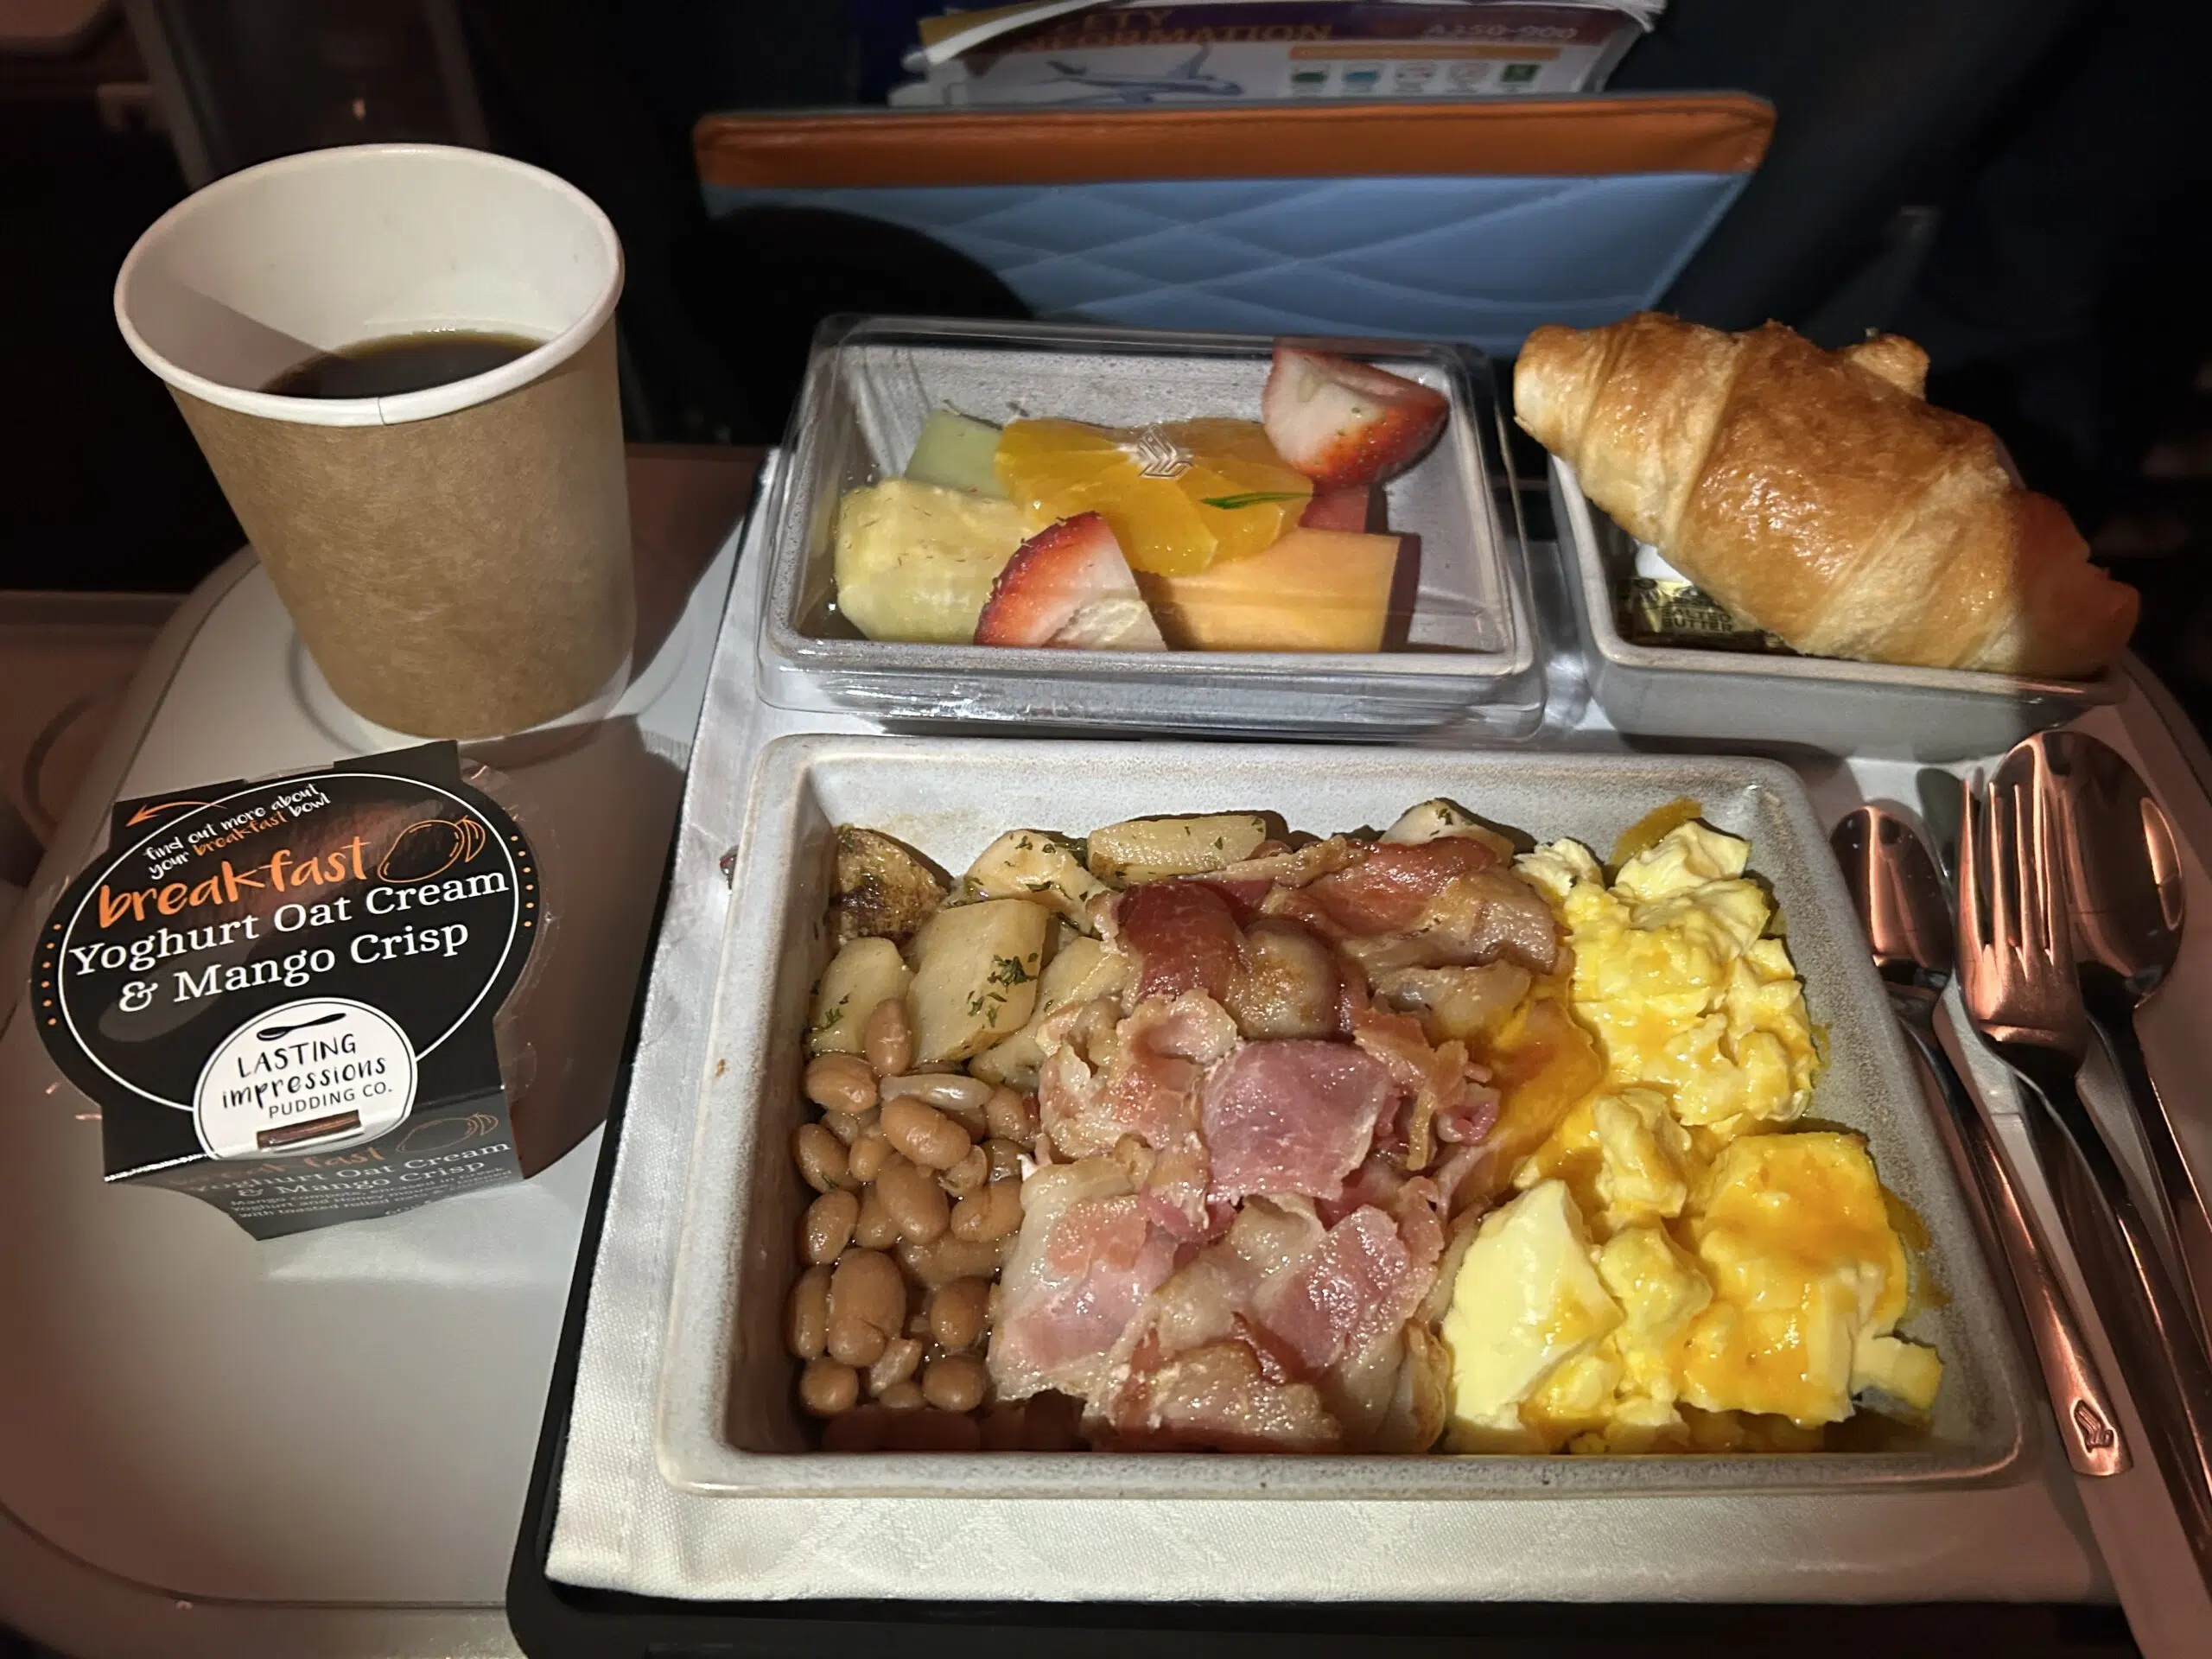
{"x":1184,"y":79}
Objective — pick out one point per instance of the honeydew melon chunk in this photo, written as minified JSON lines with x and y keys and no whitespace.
{"x":958,"y":452}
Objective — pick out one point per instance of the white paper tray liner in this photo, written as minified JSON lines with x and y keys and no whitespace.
{"x":620,"y":1527}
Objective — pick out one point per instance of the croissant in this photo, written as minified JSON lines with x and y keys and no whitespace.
{"x":1815,"y":495}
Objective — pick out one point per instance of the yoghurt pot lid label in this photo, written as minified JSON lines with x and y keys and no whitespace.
{"x":322,"y":1072}
{"x":278,"y":973}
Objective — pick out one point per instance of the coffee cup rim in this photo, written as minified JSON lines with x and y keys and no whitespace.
{"x":402,"y":408}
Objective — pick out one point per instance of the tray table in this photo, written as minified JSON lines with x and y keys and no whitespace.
{"x":611,"y":1560}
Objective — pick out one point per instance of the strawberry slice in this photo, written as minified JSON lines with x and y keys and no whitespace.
{"x":1359,"y":509}
{"x":1341,"y":422}
{"x":1068,"y":586}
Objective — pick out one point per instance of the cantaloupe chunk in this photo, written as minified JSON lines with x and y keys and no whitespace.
{"x":1313,"y":590}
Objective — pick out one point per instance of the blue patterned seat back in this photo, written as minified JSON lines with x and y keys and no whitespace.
{"x":1477,"y":258}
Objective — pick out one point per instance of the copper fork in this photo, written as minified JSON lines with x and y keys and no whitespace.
{"x":2016,"y":973}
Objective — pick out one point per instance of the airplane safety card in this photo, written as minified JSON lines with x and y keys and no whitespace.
{"x":1076,"y":54}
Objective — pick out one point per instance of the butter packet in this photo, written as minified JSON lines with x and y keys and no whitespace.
{"x":1658,"y":611}
{"x":281,"y":993}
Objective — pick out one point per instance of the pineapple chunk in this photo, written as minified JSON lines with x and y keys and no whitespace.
{"x":916,"y":562}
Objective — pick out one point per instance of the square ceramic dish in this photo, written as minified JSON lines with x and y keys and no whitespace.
{"x":1728,"y":697}
{"x":1468,"y":655}
{"x":727,"y":1422}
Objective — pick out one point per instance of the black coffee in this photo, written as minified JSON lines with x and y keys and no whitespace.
{"x":385,"y":368}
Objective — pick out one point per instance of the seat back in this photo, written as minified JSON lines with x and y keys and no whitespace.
{"x":1473,"y":220}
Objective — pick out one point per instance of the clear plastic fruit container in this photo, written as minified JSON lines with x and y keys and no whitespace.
{"x":1458,"y":647}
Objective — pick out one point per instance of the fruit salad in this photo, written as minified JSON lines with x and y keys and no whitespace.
{"x":1213,"y":534}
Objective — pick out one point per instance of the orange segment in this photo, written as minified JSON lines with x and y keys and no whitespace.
{"x":1218,"y":489}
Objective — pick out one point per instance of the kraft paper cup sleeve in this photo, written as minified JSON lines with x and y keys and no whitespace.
{"x":462,"y":577}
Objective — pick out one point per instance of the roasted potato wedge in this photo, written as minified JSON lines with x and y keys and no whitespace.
{"x":1084,"y":969}
{"x":866,"y":972}
{"x":1146,"y":849}
{"x":976,"y":969}
{"x":1455,"y":1003}
{"x":1434,"y":820}
{"x":1033,"y":864}
{"x":885,"y":889}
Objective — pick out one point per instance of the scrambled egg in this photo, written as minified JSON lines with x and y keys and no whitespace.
{"x":1676,"y":1273}
{"x":1527,"y":1301}
{"x":1808,"y":1279}
{"x":1674,"y":975}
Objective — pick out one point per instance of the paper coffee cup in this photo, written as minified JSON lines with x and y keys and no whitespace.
{"x":456,"y":559}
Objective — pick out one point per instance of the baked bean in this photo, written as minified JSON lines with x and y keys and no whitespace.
{"x":826,"y":1388}
{"x":867,"y":1158}
{"x":915,"y":1201}
{"x":968,"y":1175}
{"x":988,"y":1215}
{"x":866,"y":1285}
{"x":860,"y":1429}
{"x":840,"y":1083}
{"x":849,"y":1126}
{"x":955,"y":1382}
{"x":917,"y":1173}
{"x":923,"y":1133}
{"x":806,"y":1315}
{"x":1050,"y":1422}
{"x":827,"y":1227}
{"x":820,"y":1156}
{"x":948,"y":1258}
{"x":854,"y":1342}
{"x":1009,"y":1117}
{"x":958,"y":1312}
{"x":945,"y":1089}
{"x":877,"y":1228}
{"x":898,"y":1365}
{"x":888,"y":1038}
{"x":932,"y":1431}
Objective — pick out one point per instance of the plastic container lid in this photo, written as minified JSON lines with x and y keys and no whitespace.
{"x":1459,"y":647}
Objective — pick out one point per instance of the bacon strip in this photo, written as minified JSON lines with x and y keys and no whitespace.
{"x":1182,"y":936}
{"x":1085,"y":1262}
{"x":1356,"y":1288}
{"x":1144,"y":1084}
{"x":1290,"y":1116}
{"x":1234,"y":1257}
{"x":1439,"y":1080}
{"x":1387,"y":890}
